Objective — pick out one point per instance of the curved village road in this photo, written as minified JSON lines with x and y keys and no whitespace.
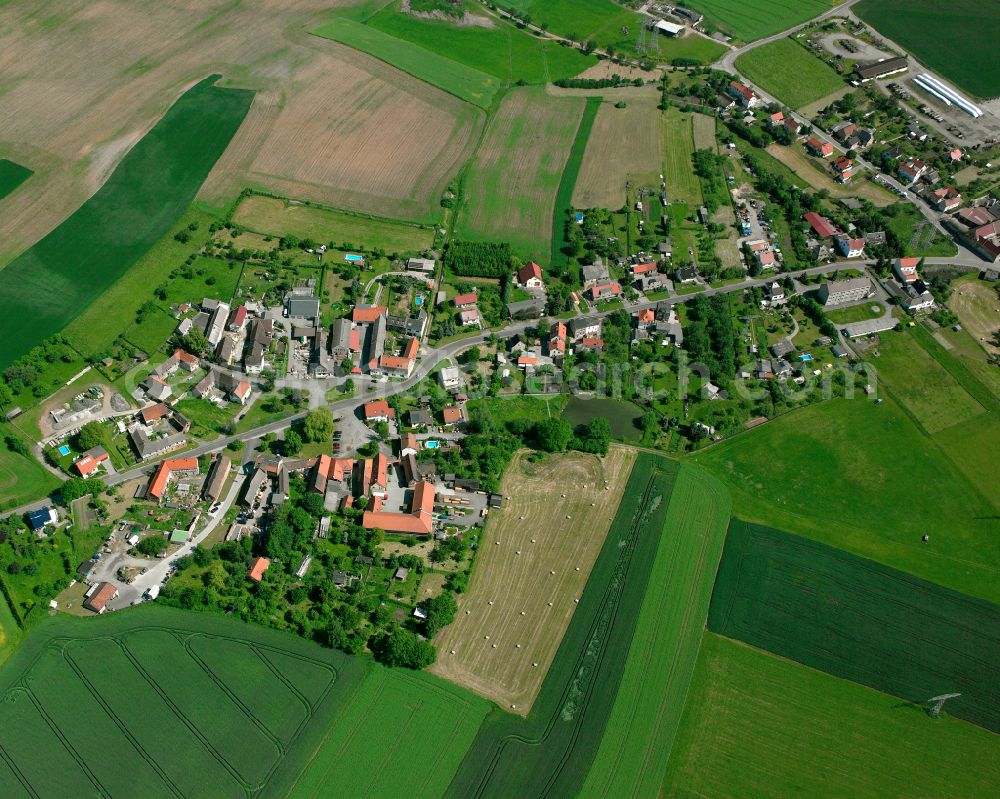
{"x":436,"y":355}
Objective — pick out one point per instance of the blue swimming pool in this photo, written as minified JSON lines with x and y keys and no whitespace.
{"x":354,"y":259}
{"x":419,"y":300}
{"x":432,"y":444}
{"x":64,"y":450}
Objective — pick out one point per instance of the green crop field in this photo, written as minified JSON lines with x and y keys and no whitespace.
{"x":115,"y":310}
{"x":22,"y":479}
{"x":400,"y":734}
{"x":682,"y":183}
{"x":758,"y":725}
{"x":621,"y":415}
{"x":12,"y":175}
{"x":955,"y":39}
{"x":863,"y":477}
{"x":158,"y":702}
{"x":754,"y":19}
{"x":55,"y":280}
{"x":859,"y":620}
{"x":501,"y":50}
{"x":550,"y":751}
{"x":10,"y":632}
{"x":510,"y":189}
{"x":921,"y":385}
{"x":640,"y":733}
{"x":567,"y":183}
{"x":466,"y":83}
{"x":600,"y":20}
{"x":786,"y":70}
{"x":323,"y":225}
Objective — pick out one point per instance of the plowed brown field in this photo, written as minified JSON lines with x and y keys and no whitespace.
{"x":83,"y":81}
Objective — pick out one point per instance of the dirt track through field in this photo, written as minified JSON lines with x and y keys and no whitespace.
{"x":556,"y":515}
{"x":85,"y":80}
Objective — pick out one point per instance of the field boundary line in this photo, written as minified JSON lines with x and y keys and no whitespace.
{"x":61,"y":737}
{"x":185,"y":642}
{"x":224,"y":762}
{"x":118,"y":722}
{"x":28,"y":787}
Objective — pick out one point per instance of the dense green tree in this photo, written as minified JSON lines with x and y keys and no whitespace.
{"x":318,"y":425}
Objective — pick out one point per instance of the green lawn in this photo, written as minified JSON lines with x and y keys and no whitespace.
{"x":622,"y":416}
{"x":955,"y":39}
{"x":511,"y":185}
{"x":466,"y":83}
{"x":786,"y":70}
{"x":759,"y":725}
{"x":918,"y":238}
{"x":12,"y":175}
{"x":502,"y":50}
{"x":856,"y":313}
{"x":281,"y":218}
{"x":856,"y":619}
{"x":55,"y":280}
{"x":22,"y":479}
{"x":863,"y":477}
{"x":422,"y":725}
{"x":661,"y":661}
{"x":207,"y":415}
{"x":921,"y":384}
{"x":682,"y":183}
{"x":755,"y":19}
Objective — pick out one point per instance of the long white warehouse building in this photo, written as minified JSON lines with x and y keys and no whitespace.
{"x":959,"y":100}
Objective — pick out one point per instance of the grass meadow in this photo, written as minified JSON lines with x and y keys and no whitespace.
{"x":400,"y":733}
{"x":682,"y":183}
{"x":10,"y":632}
{"x":551,"y":751}
{"x":510,"y":188}
{"x":280,"y":217}
{"x":919,"y":239}
{"x":856,"y":619}
{"x":465,"y":82}
{"x":600,"y":20}
{"x":957,"y":39}
{"x":863,"y":477}
{"x":922,"y":385}
{"x":607,"y":165}
{"x":115,"y":310}
{"x":661,"y":661}
{"x":22,"y":479}
{"x":12,"y":175}
{"x":789,"y":72}
{"x":760,"y":725}
{"x":61,"y":275}
{"x":754,"y":19}
{"x":502,"y":50}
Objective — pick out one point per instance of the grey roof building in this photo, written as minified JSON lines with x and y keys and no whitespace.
{"x":216,"y":477}
{"x":340,"y":339}
{"x":302,"y":306}
{"x":526,"y":309}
